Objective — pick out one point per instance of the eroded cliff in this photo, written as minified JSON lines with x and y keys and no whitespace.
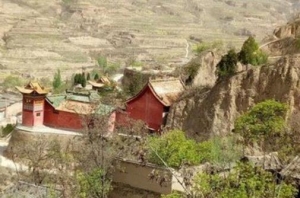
{"x":202,"y":113}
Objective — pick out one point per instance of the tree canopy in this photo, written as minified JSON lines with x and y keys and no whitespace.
{"x":264,"y":118}
{"x":80,"y":79}
{"x":174,"y":148}
{"x":264,"y":121}
{"x":245,"y":181}
{"x":228,"y":64}
{"x":251,"y":54}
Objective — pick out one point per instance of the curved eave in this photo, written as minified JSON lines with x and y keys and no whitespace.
{"x":152,"y":90}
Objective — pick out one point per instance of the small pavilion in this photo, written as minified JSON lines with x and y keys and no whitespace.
{"x":33,"y":104}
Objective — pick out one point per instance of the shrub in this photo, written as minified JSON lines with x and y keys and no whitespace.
{"x":11,"y":81}
{"x":203,"y":46}
{"x":175,"y":149}
{"x":7,"y":129}
{"x":245,"y":181}
{"x":228,"y":64}
{"x":192,"y":70}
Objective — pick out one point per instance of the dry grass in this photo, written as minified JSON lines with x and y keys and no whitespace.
{"x":126,"y":28}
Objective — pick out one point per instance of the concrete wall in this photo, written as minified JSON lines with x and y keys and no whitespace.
{"x":137,"y":175}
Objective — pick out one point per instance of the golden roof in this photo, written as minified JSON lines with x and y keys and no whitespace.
{"x":100,"y":82}
{"x":32,"y":87}
{"x":95,"y":84}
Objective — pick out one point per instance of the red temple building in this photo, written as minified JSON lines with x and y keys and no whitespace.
{"x":33,"y":104}
{"x":64,"y":111}
{"x":153,"y":102}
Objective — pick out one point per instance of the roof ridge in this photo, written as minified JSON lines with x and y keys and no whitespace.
{"x":163,"y":79}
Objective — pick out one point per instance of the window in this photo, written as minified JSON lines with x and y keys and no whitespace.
{"x":38,"y":114}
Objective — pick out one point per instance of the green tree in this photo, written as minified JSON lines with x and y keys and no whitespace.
{"x":88,"y":77}
{"x":57,"y":82}
{"x":76,"y":79}
{"x":228,"y":64}
{"x":91,"y":184}
{"x":96,"y":77}
{"x":263,"y":123}
{"x":102,"y":62}
{"x":251,"y":54}
{"x":243,"y":182}
{"x":83,"y":81}
{"x":174,"y":148}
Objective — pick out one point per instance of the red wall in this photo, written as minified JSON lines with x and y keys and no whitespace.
{"x":27,"y":118}
{"x":146,"y":107}
{"x":61,"y":119}
{"x":33,"y":110}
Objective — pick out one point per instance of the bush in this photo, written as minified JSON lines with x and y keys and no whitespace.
{"x":175,"y":149}
{"x":201,"y":47}
{"x":7,"y":129}
{"x":245,"y":181}
{"x":192,"y":70}
{"x":228,"y":64}
{"x":11,"y":82}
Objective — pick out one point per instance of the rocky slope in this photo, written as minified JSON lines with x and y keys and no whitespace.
{"x":203,"y":113}
{"x":38,"y":36}
{"x":206,"y":112}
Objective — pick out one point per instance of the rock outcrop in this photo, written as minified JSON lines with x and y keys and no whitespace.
{"x":284,"y":41}
{"x":203,"y":113}
{"x":201,"y":70}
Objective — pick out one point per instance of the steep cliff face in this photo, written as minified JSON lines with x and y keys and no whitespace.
{"x":285,"y":40}
{"x":202,"y":113}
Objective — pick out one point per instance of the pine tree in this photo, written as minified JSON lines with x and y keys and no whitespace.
{"x":57,"y":82}
{"x":96,"y":77}
{"x":83,"y":81}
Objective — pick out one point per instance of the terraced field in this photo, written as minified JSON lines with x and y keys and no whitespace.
{"x":39,"y":36}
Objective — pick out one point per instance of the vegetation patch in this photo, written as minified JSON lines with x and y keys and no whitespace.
{"x":228,"y":64}
{"x":203,"y":46}
{"x":251,"y":54}
{"x":7,"y":129}
{"x":174,"y":149}
{"x":245,"y":181}
{"x":12,"y":81}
